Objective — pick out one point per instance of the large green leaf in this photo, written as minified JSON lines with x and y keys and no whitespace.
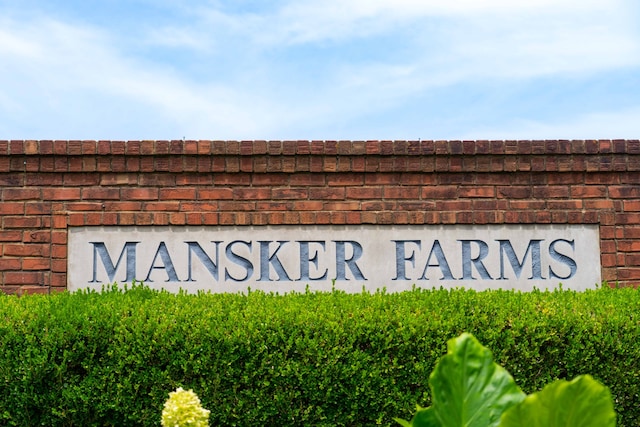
{"x":424,"y":417}
{"x":583,"y":402}
{"x":468,"y":388}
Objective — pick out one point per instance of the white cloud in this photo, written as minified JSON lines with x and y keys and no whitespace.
{"x":623,"y":124}
{"x":305,"y":21}
{"x":59,"y":70}
{"x":177,"y":37}
{"x":443,"y":42}
{"x":10,"y":44}
{"x":546,"y":44}
{"x":87,"y":79}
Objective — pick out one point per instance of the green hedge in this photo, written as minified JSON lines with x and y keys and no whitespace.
{"x":310,"y":359}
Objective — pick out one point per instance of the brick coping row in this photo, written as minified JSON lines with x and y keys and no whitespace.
{"x":290,"y":148}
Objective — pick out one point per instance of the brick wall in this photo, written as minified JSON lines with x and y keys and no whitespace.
{"x":46,"y":186}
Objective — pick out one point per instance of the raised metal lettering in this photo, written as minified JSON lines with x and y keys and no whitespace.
{"x":436,"y":250}
{"x":167,"y":264}
{"x":238,"y":260}
{"x":342,"y":262}
{"x":506,"y":250}
{"x":100,"y":249}
{"x":210,"y":265}
{"x":305,"y":261}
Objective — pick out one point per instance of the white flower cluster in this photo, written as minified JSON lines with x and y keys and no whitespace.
{"x":183,"y":409}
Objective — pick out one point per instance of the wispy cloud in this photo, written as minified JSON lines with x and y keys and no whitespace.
{"x":305,"y":68}
{"x":176,"y":37}
{"x":535,"y":23}
{"x":436,"y":42}
{"x":78,"y":73}
{"x":619,"y":124}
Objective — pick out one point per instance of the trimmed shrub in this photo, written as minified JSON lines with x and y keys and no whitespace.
{"x":321,"y":359}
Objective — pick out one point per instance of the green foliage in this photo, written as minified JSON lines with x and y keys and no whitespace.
{"x":471,"y":390}
{"x":321,"y":359}
{"x":582,"y":402}
{"x":468,"y":388}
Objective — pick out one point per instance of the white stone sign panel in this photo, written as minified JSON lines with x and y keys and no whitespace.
{"x":350,"y":258}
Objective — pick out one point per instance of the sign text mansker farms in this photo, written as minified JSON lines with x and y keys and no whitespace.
{"x":286,"y":258}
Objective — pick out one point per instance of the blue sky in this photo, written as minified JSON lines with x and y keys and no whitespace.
{"x":319,"y":69}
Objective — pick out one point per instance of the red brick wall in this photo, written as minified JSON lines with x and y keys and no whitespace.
{"x":46,"y":186}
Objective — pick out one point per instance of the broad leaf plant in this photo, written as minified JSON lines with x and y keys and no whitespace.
{"x":469,"y":389}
